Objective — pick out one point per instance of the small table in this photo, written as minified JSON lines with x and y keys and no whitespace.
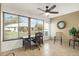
{"x":74,"y":41}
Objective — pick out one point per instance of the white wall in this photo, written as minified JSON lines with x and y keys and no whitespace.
{"x":9,"y":45}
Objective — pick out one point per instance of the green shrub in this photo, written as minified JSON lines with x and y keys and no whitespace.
{"x":73,"y":31}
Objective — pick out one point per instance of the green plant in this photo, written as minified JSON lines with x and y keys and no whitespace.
{"x":73,"y":31}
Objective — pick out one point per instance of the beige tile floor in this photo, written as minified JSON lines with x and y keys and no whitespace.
{"x":48,"y":49}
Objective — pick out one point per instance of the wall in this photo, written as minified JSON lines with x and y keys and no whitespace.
{"x":71,"y":19}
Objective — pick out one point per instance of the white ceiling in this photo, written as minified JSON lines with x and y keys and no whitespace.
{"x":31,"y":8}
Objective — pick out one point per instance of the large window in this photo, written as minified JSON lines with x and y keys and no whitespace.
{"x":36,"y":26}
{"x":10,"y":26}
{"x":33,"y":27}
{"x":23,"y":26}
{"x":16,"y":26}
{"x":39,"y":26}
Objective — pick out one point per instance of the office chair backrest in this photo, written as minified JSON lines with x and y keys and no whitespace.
{"x":39,"y":36}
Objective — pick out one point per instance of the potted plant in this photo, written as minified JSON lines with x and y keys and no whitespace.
{"x":73,"y":32}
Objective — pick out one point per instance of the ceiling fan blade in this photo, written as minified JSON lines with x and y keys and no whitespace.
{"x":54,"y":12}
{"x":52,"y":7}
{"x":41,"y":9}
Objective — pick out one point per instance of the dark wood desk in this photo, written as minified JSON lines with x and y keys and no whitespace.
{"x":74,"y":42}
{"x":27,"y":42}
{"x":35,"y":40}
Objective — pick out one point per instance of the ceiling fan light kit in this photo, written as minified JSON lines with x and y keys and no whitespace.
{"x":47,"y":14}
{"x":48,"y":11}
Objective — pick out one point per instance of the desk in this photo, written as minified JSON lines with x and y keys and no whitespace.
{"x":36,"y":40}
{"x":29,"y":42}
{"x":74,"y":41}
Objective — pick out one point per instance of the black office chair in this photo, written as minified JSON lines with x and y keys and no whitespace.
{"x":38,"y":38}
{"x":26,"y":43}
{"x":30,"y":42}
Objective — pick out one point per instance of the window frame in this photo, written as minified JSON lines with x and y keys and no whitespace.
{"x":18,"y":25}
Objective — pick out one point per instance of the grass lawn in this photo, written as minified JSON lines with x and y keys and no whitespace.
{"x":13,"y":35}
{"x":10,"y":35}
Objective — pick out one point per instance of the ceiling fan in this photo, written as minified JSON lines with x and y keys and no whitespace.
{"x":48,"y":11}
